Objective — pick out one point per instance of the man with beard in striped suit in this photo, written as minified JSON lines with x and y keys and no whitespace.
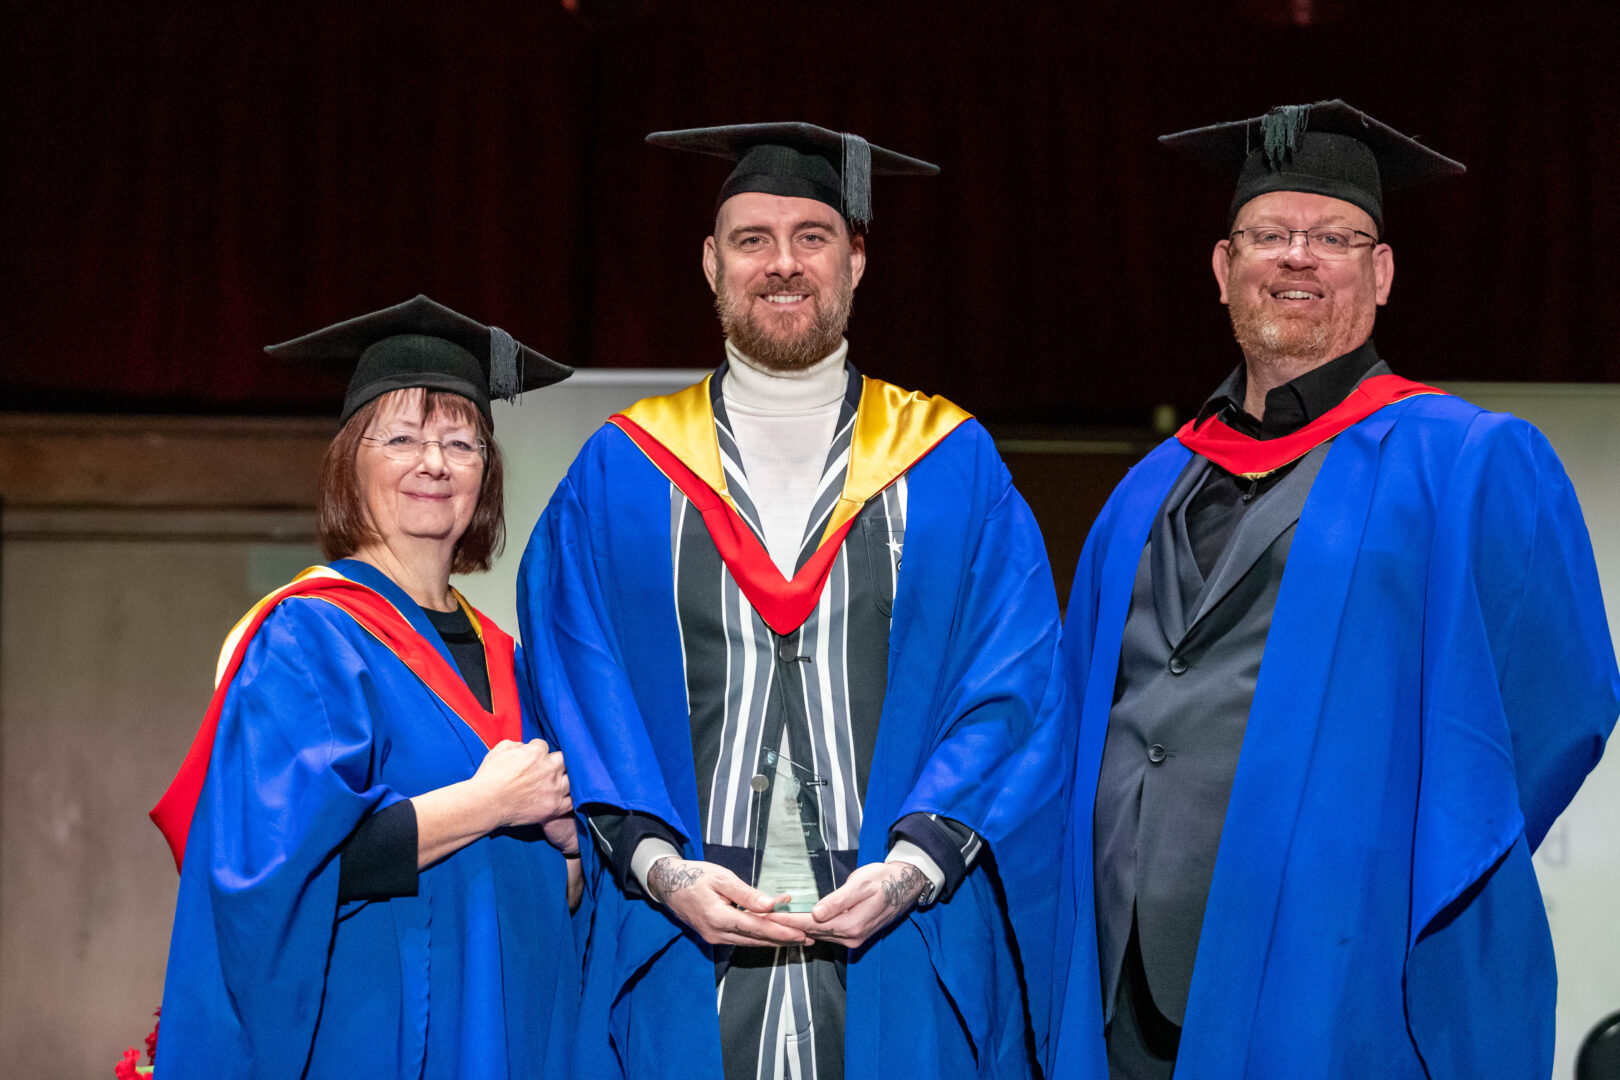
{"x":794,"y":629}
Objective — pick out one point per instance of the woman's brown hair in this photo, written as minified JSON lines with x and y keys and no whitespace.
{"x":341,"y":520}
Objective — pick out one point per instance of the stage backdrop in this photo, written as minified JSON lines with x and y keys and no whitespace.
{"x":187,"y":181}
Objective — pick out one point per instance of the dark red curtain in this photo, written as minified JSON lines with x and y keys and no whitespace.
{"x":186,"y":182}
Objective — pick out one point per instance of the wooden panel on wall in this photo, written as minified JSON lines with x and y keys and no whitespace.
{"x":161,"y":461}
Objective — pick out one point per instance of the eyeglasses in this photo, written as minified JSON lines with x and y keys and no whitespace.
{"x":1325,"y":242}
{"x":403,"y":447}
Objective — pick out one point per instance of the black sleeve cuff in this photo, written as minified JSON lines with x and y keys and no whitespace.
{"x":952,"y":845}
{"x":618,"y":833}
{"x":379,"y":861}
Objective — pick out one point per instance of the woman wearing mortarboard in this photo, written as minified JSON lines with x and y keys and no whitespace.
{"x":374,"y":846}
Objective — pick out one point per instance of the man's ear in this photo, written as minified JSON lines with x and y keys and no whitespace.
{"x":1383,"y":272}
{"x":1221,"y":262}
{"x":711,"y":263}
{"x":857,"y":258}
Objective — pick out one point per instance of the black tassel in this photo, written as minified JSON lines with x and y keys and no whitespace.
{"x":857,"y":175}
{"x":1281,"y":129}
{"x":504,"y":377}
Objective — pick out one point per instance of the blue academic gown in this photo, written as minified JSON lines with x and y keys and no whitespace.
{"x":269,"y":977}
{"x":965,"y":731}
{"x":1437,"y":681}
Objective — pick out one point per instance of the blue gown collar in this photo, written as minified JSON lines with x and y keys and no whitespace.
{"x":379,"y":582}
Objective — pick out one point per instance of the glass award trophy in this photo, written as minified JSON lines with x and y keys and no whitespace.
{"x":783,"y":851}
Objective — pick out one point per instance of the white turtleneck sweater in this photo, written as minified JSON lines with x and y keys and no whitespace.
{"x":784,"y":423}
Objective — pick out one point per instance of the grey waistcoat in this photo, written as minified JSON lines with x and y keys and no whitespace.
{"x":1187,"y":671}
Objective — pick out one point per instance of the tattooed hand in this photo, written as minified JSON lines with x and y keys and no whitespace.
{"x":669,"y":876}
{"x":720,"y":906}
{"x":873,"y":896}
{"x":903,"y":888}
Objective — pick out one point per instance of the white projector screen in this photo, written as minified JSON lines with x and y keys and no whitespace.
{"x":539,"y":436}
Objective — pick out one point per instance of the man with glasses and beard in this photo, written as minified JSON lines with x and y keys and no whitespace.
{"x":795,"y":630}
{"x":1337,"y":658}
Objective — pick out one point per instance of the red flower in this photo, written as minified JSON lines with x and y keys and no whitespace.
{"x":129,"y":1066}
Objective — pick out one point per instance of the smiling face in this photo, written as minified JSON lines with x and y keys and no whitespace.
{"x":1297,"y":310}
{"x":426,"y":498}
{"x":784,"y":272}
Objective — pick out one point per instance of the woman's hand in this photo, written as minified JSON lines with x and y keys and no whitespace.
{"x":575,"y":889}
{"x":526,"y":784}
{"x":562,"y":833}
{"x":516,"y":784}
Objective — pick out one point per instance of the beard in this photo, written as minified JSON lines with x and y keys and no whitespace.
{"x":1292,"y":341}
{"x":1279,"y":337}
{"x":771,"y":340}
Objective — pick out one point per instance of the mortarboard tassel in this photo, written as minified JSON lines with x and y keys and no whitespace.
{"x":504,"y":377}
{"x":857,"y":179}
{"x":1281,"y":129}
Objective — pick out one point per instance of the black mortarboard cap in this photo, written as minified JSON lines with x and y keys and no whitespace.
{"x":798,"y":160}
{"x":1325,"y":148}
{"x":423,"y":343}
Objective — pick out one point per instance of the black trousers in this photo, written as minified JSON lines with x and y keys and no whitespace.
{"x":782,"y":1013}
{"x":1142,"y":1043}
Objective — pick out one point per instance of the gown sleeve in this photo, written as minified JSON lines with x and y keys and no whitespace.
{"x":1519,"y":695}
{"x":576,"y":665}
{"x":288,"y":784}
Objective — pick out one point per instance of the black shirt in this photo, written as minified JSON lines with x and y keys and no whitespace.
{"x":1219,"y":504}
{"x":466,"y":648}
